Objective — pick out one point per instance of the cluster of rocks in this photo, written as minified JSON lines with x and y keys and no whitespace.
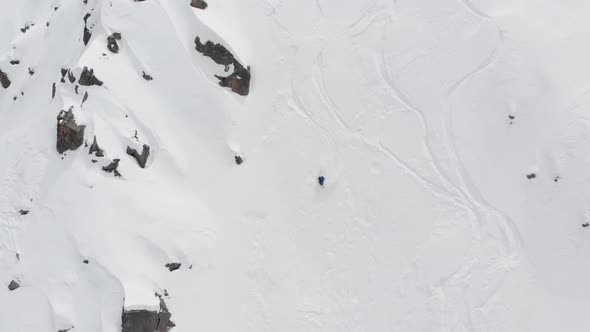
{"x":69,"y":134}
{"x":26,"y":27}
{"x":94,"y":148}
{"x":239,"y":80}
{"x":173,"y":266}
{"x":87,"y":78}
{"x":71,"y":77}
{"x":147,"y":320}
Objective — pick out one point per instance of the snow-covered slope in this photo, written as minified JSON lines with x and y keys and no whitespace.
{"x":453,"y":135}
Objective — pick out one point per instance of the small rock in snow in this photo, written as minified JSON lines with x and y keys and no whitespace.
{"x":200,"y":4}
{"x":13,"y":285}
{"x":4,"y":80}
{"x":94,"y":148}
{"x":173,"y":266}
{"x":147,"y":77}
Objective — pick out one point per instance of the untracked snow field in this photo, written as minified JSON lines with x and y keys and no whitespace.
{"x":453,"y":137}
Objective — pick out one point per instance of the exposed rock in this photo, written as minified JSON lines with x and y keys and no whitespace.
{"x":64,"y":71}
{"x":585,"y":225}
{"x":85,"y":261}
{"x":69,"y":135}
{"x":53,"y":88}
{"x":141,"y":158}
{"x":71,"y":77}
{"x":112,"y":44}
{"x":14,"y":62}
{"x":239,"y":80}
{"x":25,"y":28}
{"x":4,"y":80}
{"x":173,"y":266}
{"x":239,"y":160}
{"x":216,"y":52}
{"x":147,"y":77}
{"x":85,"y":97}
{"x":23,"y":212}
{"x":321,"y":180}
{"x":117,"y":35}
{"x":94,"y":148}
{"x":13,"y":285}
{"x":31,"y":71}
{"x":531,"y":176}
{"x":147,"y":321}
{"x":201,"y":4}
{"x":87,"y":77}
{"x":112,"y":167}
{"x":87,"y":33}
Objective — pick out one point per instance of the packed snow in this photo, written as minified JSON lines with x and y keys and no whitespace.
{"x":396,"y":165}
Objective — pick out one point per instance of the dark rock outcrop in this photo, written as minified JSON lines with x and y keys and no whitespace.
{"x":531,"y":176}
{"x":112,"y":167}
{"x":239,"y":160}
{"x":141,"y":158}
{"x":23,"y":212}
{"x":69,"y":135}
{"x":173,"y":266}
{"x":239,"y":80}
{"x":13,"y":285}
{"x":112,"y":42}
{"x":321,"y":180}
{"x":146,"y":320}
{"x":147,"y":77}
{"x":53,"y":89}
{"x":87,"y":33}
{"x":87,"y":77}
{"x":14,"y":62}
{"x":4,"y":80}
{"x":216,"y":52}
{"x":200,"y":4}
{"x":94,"y":148}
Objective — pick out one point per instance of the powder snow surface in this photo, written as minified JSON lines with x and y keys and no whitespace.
{"x":426,"y":118}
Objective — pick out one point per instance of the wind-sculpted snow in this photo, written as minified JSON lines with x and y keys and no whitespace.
{"x":389,"y":166}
